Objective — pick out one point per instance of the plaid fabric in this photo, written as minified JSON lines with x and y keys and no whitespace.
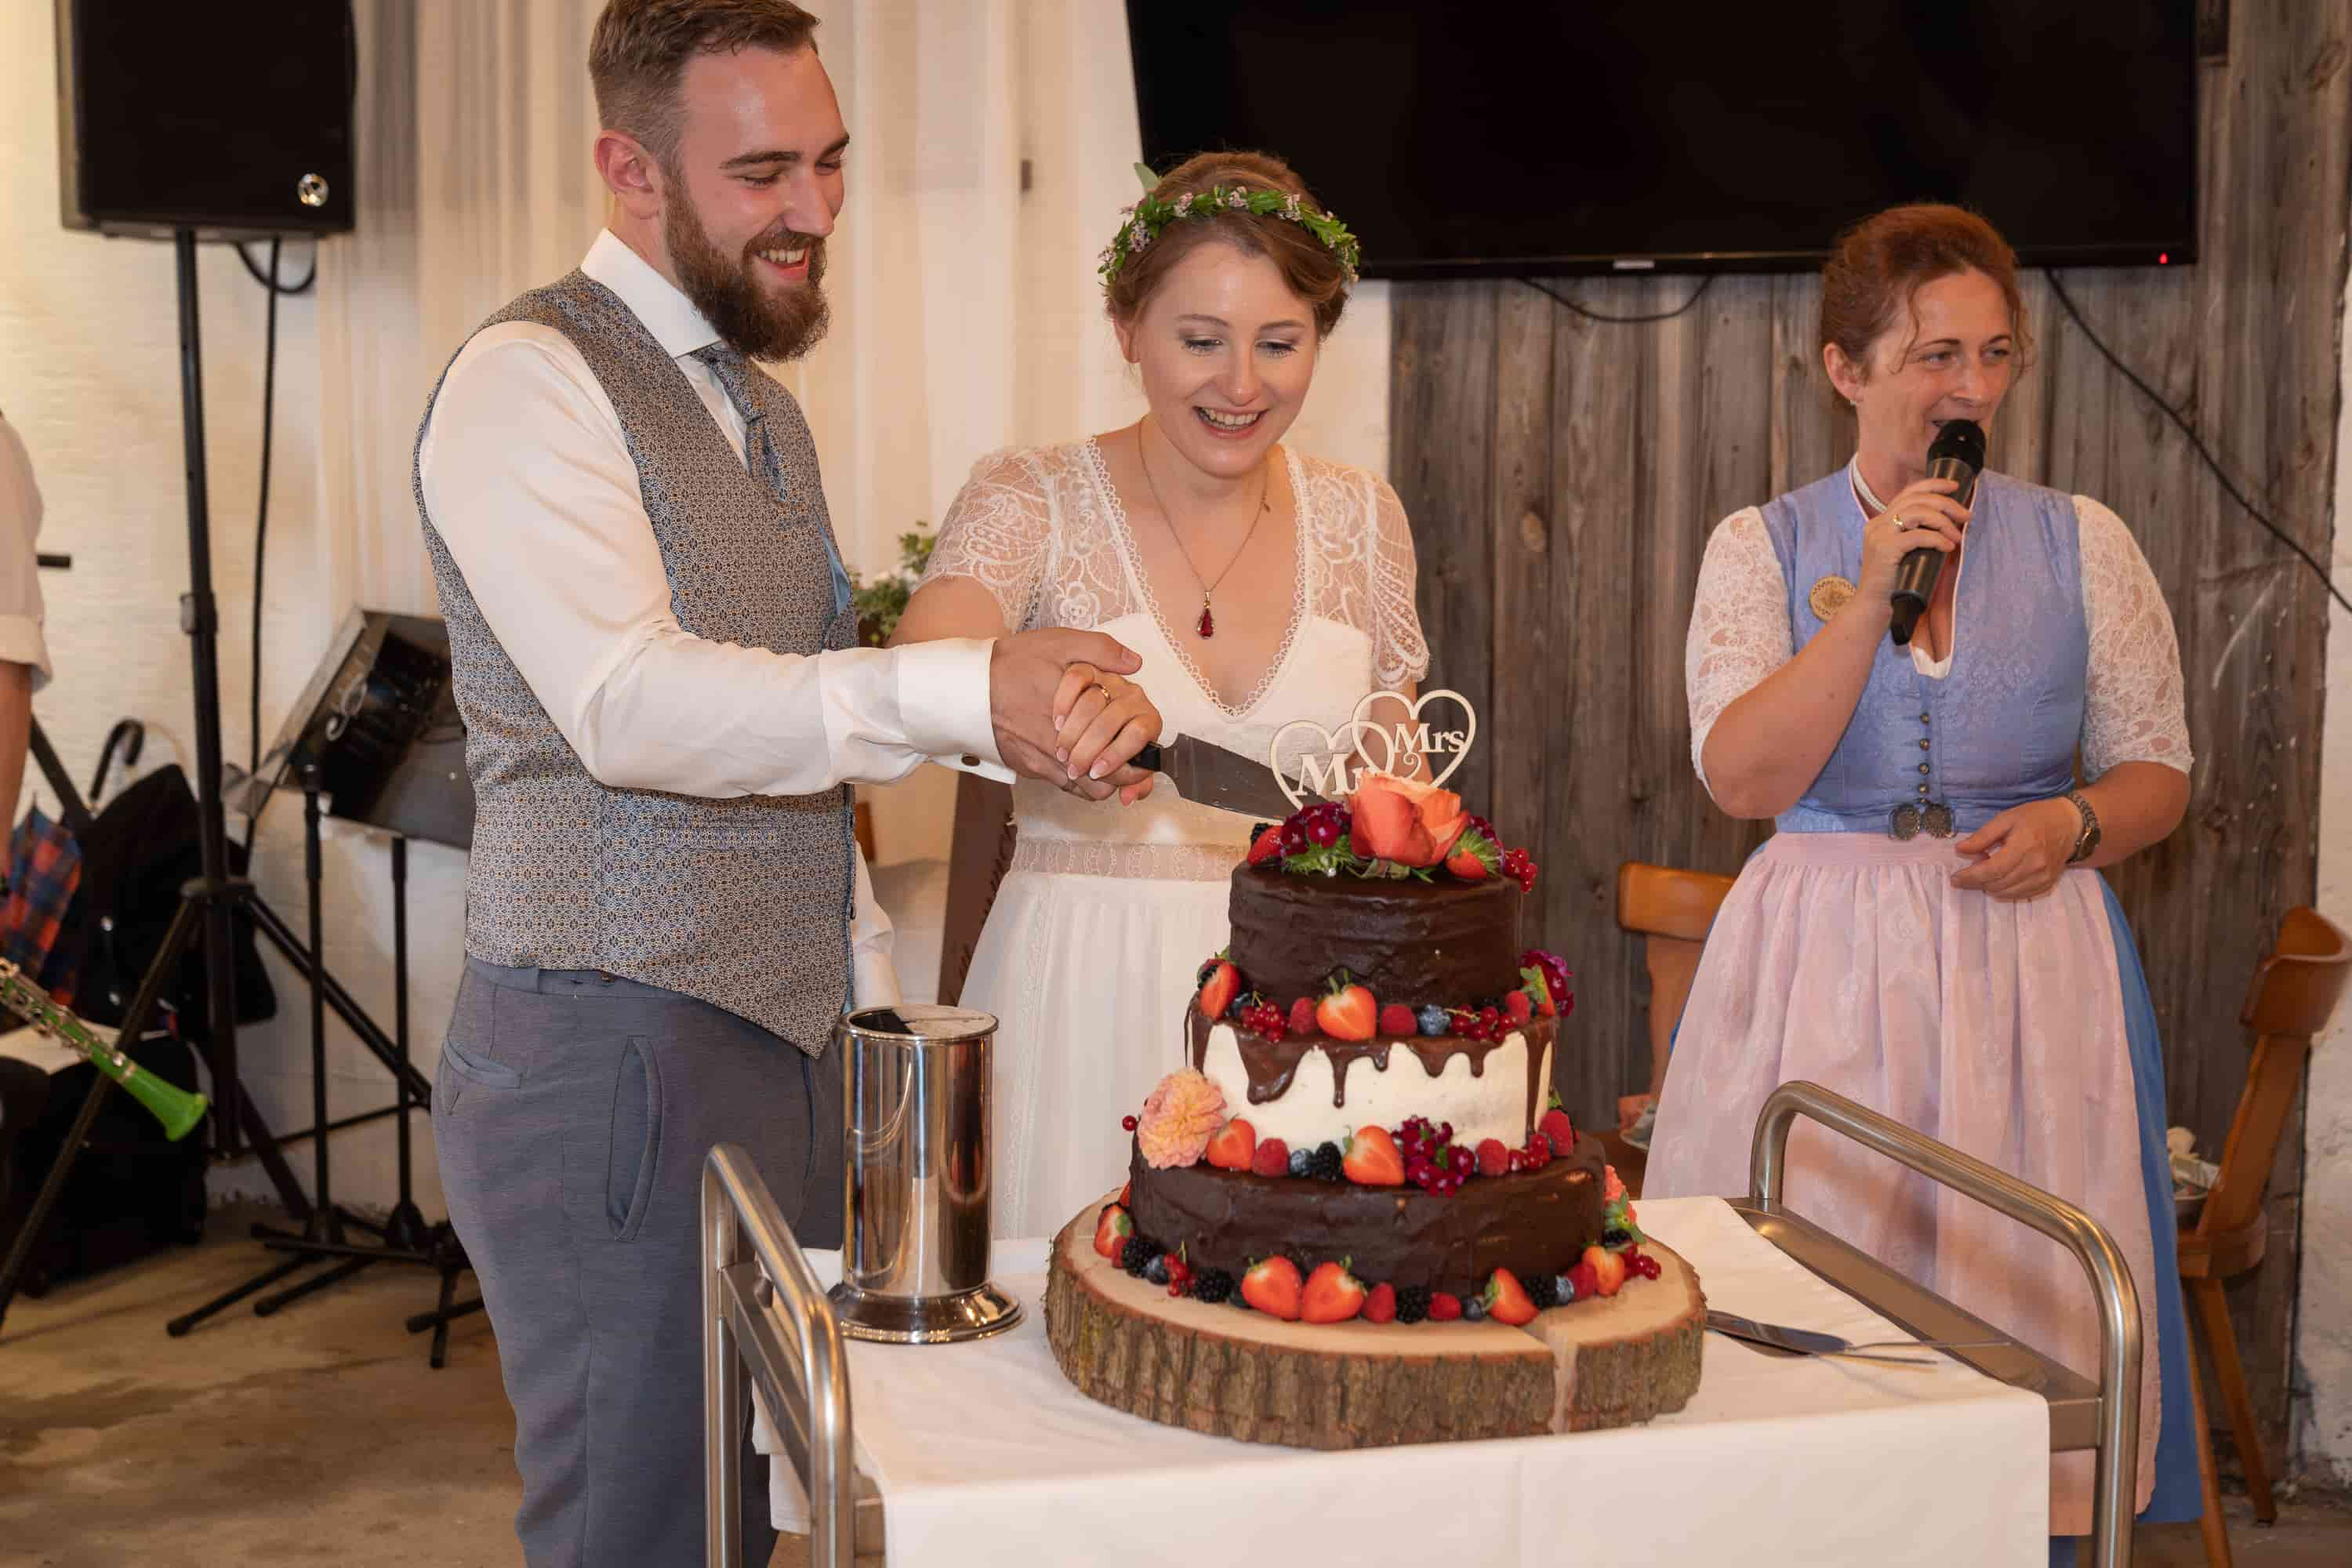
{"x":44,"y":869}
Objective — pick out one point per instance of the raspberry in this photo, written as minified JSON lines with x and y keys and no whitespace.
{"x":1444,"y":1309}
{"x":1396,"y":1018}
{"x":1302,"y":1016}
{"x":1494,"y":1159}
{"x":1272,"y":1158}
{"x":1586,"y":1279}
{"x":1518,"y":1006}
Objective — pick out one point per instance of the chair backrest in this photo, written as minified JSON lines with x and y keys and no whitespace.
{"x":1672,"y":910}
{"x":2293,"y":992}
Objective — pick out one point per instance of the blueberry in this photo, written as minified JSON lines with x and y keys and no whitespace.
{"x":1433,"y":1019}
{"x":1157,"y":1272}
{"x":1301,"y":1161}
{"x":1473,"y":1307}
{"x":1566,"y":1289}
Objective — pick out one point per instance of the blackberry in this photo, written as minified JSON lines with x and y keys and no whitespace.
{"x":1543,"y":1290}
{"x":1213,"y":1286}
{"x":1616,"y":1235}
{"x":1325,"y":1165}
{"x":1140,"y":1253}
{"x":1413,"y":1304}
{"x":1302,"y":1162}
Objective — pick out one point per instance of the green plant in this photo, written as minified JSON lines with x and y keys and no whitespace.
{"x":881,"y":601}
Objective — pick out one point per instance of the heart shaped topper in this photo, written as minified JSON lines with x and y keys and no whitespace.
{"x":1329,"y":771}
{"x":1413,"y":737}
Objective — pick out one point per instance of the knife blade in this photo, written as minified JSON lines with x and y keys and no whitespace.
{"x":1202,"y":772}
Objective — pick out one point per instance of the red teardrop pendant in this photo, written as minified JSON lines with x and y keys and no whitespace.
{"x":1208,"y":624}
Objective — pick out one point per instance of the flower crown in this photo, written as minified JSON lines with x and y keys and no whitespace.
{"x":1143,"y":222}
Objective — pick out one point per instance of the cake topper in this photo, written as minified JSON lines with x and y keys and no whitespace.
{"x":1364,"y":743}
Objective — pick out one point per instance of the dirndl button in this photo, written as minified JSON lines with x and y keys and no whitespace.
{"x":1904,"y":823}
{"x":1936,"y":818}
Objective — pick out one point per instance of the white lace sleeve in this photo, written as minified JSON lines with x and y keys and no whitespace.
{"x":999,"y":532}
{"x":2134,"y":708}
{"x":1400,"y":653}
{"x":1739,"y":630}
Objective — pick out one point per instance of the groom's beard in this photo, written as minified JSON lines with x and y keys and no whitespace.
{"x":729,"y":292}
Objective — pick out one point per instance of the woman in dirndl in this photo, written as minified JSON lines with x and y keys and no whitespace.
{"x":1926,"y":931}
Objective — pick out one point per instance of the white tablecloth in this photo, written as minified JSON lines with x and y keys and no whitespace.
{"x":985,"y":1455}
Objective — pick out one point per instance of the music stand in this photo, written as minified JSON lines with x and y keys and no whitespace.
{"x":374,"y":738}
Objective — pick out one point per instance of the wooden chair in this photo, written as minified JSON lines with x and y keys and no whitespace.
{"x":2293,"y":992}
{"x":1671,"y":911}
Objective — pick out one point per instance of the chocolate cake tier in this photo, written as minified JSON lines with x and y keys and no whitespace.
{"x":1445,"y":941}
{"x":1534,"y":1222}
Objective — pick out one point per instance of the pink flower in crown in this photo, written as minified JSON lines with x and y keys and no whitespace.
{"x":1290,"y":207}
{"x":1611,"y":1190}
{"x":1179,"y":1118}
{"x":1237,"y":197}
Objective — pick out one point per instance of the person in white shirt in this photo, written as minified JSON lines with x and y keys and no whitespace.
{"x":651,"y":639}
{"x":24,"y":646}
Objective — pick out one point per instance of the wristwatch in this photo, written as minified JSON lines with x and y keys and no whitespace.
{"x":2086,"y":843}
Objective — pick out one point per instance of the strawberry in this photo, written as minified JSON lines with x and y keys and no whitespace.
{"x":1112,"y":1231}
{"x":1396,"y":1018}
{"x":1370,"y":1158}
{"x":1380,"y":1306}
{"x":1272,"y":1159}
{"x":1126,"y":1195}
{"x":1348,"y":1011}
{"x":1444,"y":1308}
{"x":1507,"y":1301}
{"x":1218,"y":991}
{"x":1233,"y":1146}
{"x":1267,"y":846}
{"x":1302,"y":1016}
{"x":1587,"y":1281}
{"x":1608,"y":1269}
{"x":1494,"y":1159}
{"x":1556,"y":1126}
{"x":1272,"y":1286}
{"x":1332,"y":1294}
{"x":1467,"y":865}
{"x":1518,"y":1007}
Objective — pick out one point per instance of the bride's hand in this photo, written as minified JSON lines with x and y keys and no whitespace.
{"x":1102,"y":720}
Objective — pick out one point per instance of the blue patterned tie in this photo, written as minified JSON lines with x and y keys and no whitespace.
{"x":736,"y":374}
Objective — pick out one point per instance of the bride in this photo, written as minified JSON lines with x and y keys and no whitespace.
{"x":1258,"y":585}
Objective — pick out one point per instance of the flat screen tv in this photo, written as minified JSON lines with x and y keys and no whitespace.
{"x":1615,"y":135}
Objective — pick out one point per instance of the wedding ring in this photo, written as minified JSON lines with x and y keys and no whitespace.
{"x":1899,"y":524}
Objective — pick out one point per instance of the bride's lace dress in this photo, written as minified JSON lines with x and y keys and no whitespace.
{"x":1089,"y":951}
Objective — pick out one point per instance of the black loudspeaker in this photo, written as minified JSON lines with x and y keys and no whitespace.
{"x":232,"y":120}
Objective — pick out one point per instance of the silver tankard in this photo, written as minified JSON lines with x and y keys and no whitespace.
{"x":915,"y":1108}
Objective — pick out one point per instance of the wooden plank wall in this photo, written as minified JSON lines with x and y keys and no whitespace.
{"x":1563,"y":475}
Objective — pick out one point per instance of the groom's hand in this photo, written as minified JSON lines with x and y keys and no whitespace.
{"x":1024,"y":676}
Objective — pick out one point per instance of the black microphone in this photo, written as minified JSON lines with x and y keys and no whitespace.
{"x":1956,"y":453}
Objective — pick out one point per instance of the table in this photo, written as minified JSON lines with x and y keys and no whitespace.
{"x":983,"y":1455}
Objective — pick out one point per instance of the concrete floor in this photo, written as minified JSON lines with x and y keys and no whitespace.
{"x":320,"y":1436}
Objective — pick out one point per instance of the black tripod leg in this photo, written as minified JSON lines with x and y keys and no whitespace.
{"x":335,"y":1276}
{"x":182,"y":1324}
{"x":371,"y":1035}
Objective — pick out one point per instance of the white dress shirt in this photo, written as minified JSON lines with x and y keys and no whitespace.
{"x":22,"y":639}
{"x":529,"y":483}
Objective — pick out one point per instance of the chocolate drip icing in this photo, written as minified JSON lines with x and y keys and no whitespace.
{"x":1271,"y":1066}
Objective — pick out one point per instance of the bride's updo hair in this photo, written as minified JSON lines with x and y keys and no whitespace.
{"x":1307,"y":267}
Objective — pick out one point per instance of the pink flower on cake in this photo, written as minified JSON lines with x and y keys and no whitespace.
{"x":1179,"y":1119}
{"x":1613,"y":1189}
{"x":1405,"y":820}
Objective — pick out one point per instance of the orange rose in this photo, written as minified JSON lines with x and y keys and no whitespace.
{"x":1405,"y":820}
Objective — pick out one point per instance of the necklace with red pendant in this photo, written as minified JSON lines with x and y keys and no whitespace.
{"x":1206,"y":626}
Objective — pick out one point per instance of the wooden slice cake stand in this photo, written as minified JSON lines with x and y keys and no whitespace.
{"x":1608,"y":1361}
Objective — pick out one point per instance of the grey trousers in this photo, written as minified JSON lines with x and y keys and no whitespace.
{"x":572,"y":1115}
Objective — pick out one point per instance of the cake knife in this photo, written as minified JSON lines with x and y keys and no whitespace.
{"x":1204,"y":772}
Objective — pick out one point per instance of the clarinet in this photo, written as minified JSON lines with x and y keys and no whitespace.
{"x":174,"y":1107}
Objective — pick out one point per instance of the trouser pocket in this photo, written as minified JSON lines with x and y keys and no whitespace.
{"x":633,"y":1154}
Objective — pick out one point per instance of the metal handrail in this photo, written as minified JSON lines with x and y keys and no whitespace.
{"x":2102,"y":1261}
{"x":767,"y":1321}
